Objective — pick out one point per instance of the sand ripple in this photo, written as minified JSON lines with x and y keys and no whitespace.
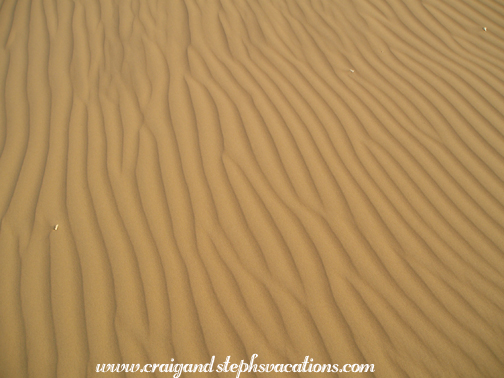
{"x":286,"y":178}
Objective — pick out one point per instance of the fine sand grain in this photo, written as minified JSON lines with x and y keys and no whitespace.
{"x":188,"y":179}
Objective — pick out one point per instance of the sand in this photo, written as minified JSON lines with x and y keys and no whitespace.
{"x":194,"y":179}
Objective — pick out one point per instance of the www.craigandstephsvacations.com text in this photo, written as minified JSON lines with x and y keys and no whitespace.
{"x":307,"y":366}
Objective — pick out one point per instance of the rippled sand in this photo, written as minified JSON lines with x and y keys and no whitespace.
{"x":188,"y":179}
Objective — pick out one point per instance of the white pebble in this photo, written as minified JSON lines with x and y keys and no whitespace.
{"x":484,"y":28}
{"x":352,"y":70}
{"x":56,"y":227}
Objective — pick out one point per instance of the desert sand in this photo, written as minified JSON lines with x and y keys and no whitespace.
{"x":188,"y":179}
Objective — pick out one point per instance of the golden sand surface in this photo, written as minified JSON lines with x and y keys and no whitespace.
{"x":287,"y":178}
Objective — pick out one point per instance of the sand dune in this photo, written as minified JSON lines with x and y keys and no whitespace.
{"x":188,"y":179}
